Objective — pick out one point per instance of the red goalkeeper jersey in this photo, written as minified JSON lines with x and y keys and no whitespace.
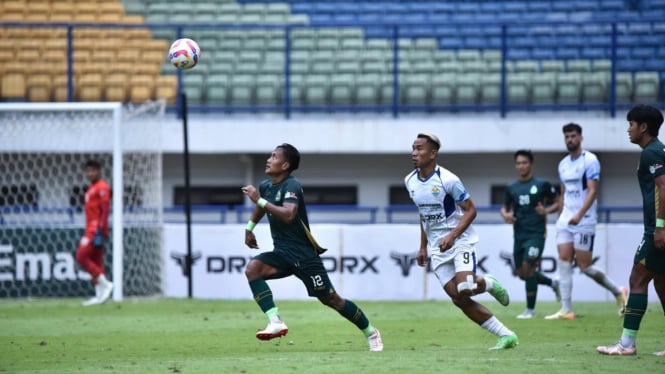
{"x":97,"y":207}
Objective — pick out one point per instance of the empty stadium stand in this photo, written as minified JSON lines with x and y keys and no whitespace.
{"x":341,"y":52}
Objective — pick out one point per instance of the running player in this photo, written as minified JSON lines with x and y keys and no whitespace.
{"x":644,"y":123}
{"x":446,"y":212}
{"x":525,"y":208}
{"x":90,"y":253}
{"x":281,"y":196}
{"x":579,"y":173}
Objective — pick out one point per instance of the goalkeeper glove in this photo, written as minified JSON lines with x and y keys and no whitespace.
{"x":98,"y":240}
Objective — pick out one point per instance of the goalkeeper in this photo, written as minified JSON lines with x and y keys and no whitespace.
{"x":90,"y":253}
{"x":281,"y":196}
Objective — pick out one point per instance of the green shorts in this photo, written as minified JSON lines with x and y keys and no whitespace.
{"x":310,"y":271}
{"x":650,"y":256}
{"x":528,"y":250}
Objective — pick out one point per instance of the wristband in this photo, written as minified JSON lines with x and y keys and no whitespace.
{"x":660,"y":222}
{"x":261,"y":202}
{"x":250,"y":225}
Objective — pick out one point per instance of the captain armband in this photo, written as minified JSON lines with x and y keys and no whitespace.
{"x":660,"y":222}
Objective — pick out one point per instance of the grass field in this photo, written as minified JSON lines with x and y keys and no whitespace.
{"x":203,"y":336}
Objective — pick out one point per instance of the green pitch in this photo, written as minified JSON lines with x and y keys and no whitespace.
{"x":201,"y":336}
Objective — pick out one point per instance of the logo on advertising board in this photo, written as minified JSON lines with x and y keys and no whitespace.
{"x":181,"y":260}
{"x":406,"y":261}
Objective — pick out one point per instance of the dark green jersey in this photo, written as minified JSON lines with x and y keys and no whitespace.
{"x":289,"y":239}
{"x":652,"y":165}
{"x":522,"y":198}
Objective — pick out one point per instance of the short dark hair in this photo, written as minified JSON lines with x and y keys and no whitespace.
{"x":572,"y":127}
{"x":432,"y":139}
{"x":291,"y":155}
{"x":93,"y":164}
{"x":646,"y":114}
{"x":524,"y":152}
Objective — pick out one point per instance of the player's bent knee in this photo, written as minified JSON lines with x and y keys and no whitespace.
{"x":254,"y":269}
{"x":332,"y":300}
{"x":466,"y":288}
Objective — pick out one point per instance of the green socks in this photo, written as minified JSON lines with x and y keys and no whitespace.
{"x":356,"y":316}
{"x":635,"y":309}
{"x":531,"y":291}
{"x":543,"y":279}
{"x":262,"y":294}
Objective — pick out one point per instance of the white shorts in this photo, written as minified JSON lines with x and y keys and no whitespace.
{"x":582,"y":241}
{"x":464,"y":260}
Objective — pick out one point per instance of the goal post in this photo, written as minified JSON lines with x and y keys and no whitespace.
{"x":42,"y":152}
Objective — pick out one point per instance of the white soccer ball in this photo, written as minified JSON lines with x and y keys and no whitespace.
{"x":184,"y":53}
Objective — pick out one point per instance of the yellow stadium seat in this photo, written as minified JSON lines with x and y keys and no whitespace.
{"x":57,"y":44}
{"x":133,"y":19}
{"x":13,"y":86}
{"x":166,"y":87}
{"x":90,"y":87}
{"x":54,"y":55}
{"x":141,"y":88}
{"x":28,"y":56}
{"x":39,"y":87}
{"x":116,"y":87}
{"x":60,"y":88}
{"x":110,"y":18}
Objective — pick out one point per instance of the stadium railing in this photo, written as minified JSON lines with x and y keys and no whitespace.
{"x":396,"y":107}
{"x":15,"y":215}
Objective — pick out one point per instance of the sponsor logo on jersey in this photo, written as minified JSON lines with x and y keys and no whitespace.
{"x":290,"y":195}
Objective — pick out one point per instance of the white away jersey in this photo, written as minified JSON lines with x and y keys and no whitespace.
{"x":574,"y":175}
{"x":437,"y":198}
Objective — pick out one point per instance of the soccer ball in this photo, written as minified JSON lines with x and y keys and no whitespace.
{"x":184,"y":53}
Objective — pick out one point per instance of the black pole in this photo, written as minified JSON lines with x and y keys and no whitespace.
{"x":188,"y":204}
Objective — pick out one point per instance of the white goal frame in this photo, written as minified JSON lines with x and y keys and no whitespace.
{"x":117,"y":210}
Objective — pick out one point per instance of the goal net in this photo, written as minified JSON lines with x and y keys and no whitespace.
{"x":43,"y":149}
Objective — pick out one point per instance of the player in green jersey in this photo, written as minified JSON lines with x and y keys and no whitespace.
{"x":526,"y":208}
{"x":644,"y":123}
{"x":296,"y":252}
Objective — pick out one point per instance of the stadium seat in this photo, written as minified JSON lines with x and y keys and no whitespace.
{"x":624,"y":87}
{"x":90,"y":87}
{"x":341,"y":89}
{"x":552,"y":66}
{"x":242,"y":89}
{"x":13,"y":87}
{"x":141,"y":88}
{"x":578,"y":66}
{"x":543,"y":87}
{"x":316,"y":89}
{"x":443,"y":88}
{"x":490,"y":88}
{"x":647,"y":87}
{"x":519,"y":87}
{"x":467,"y":89}
{"x":166,"y":87}
{"x":568,"y":88}
{"x":38,"y":87}
{"x":594,"y":88}
{"x":602,"y":66}
{"x":526,"y":66}
{"x":367,"y":89}
{"x":269,"y":89}
{"x":116,"y":87}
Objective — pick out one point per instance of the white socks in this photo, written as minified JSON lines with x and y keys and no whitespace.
{"x":566,"y":284}
{"x":497,"y":328}
{"x":602,"y":279}
{"x":489,"y":284}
